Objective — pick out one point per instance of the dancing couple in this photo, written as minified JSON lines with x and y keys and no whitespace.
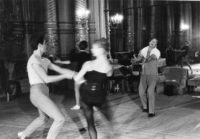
{"x":92,"y":77}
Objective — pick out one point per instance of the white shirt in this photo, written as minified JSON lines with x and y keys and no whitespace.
{"x":150,"y":68}
{"x":34,"y":78}
{"x":154,"y":51}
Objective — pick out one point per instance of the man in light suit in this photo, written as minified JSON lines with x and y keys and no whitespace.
{"x":149,"y":56}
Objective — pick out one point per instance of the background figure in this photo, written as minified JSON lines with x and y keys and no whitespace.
{"x":170,"y":59}
{"x":94,"y":85}
{"x":184,"y":58}
{"x":37,"y":68}
{"x":197,"y":57}
{"x":3,"y":78}
{"x":149,"y":55}
{"x":80,"y":57}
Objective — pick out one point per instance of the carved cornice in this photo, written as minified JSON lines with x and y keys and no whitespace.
{"x":29,"y":27}
{"x":65,"y":24}
{"x":66,"y":28}
{"x":66,"y":31}
{"x":62,"y":27}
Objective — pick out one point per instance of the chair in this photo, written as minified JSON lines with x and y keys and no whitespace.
{"x":176,"y":77}
{"x":192,"y":83}
{"x":118,"y":82}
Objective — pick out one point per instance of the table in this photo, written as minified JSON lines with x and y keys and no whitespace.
{"x":192,"y":83}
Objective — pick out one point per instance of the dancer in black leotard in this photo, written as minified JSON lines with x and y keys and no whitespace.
{"x":93,"y":91}
{"x":93,"y":76}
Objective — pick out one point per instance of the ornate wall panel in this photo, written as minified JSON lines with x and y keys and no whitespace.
{"x":140,"y":24}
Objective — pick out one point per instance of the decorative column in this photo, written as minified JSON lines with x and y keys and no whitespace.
{"x":107,"y":19}
{"x":51,"y":28}
{"x":26,"y":18}
{"x":3,"y":22}
{"x":170,"y":25}
{"x":81,"y":21}
{"x":107,"y":23}
{"x":153,"y":12}
{"x":140,"y":25}
{"x":102,"y":18}
{"x":65,"y":22}
{"x":129,"y":27}
{"x":176,"y":31}
{"x":196,"y":26}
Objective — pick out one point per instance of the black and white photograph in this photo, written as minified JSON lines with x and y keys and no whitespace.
{"x":99,"y":69}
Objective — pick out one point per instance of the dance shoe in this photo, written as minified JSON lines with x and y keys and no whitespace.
{"x":151,"y":115}
{"x":145,"y":110}
{"x":76,"y":107}
{"x":21,"y":135}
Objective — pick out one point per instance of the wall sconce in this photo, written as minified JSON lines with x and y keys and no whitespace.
{"x":116,"y":19}
{"x":82,"y":14}
{"x":184,"y":27}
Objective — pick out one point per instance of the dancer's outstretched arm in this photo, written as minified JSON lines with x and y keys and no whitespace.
{"x":110,"y":72}
{"x":69,"y":73}
{"x":138,"y":59}
{"x":46,"y":78}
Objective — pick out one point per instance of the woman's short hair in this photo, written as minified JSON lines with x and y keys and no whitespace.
{"x":37,"y":39}
{"x":103,"y":42}
{"x":83,"y":45}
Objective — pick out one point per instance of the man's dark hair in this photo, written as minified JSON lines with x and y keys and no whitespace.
{"x":83,"y":45}
{"x":37,"y":39}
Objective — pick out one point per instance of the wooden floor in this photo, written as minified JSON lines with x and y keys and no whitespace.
{"x":177,"y":117}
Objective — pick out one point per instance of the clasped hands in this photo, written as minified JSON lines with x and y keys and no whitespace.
{"x":69,"y":74}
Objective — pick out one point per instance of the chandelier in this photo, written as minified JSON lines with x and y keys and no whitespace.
{"x":116,"y":19}
{"x":82,"y":13}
